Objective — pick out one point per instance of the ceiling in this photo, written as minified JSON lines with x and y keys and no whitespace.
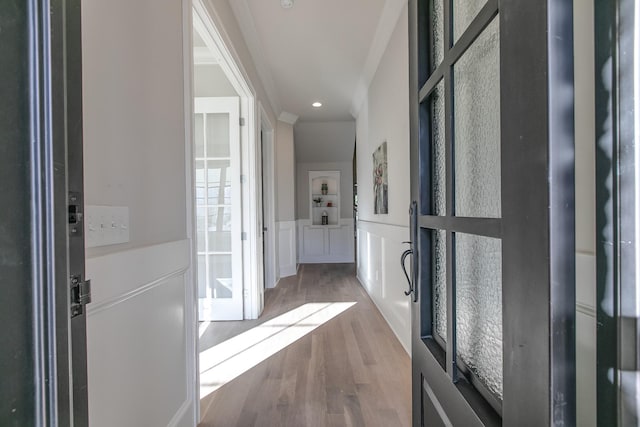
{"x":318,"y":50}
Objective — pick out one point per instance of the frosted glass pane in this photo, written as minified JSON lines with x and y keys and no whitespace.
{"x":219,"y":219}
{"x":437,"y":19}
{"x":477,"y":127}
{"x":219,"y":229}
{"x":220,"y":284}
{"x":463,"y":13}
{"x":440,"y":283}
{"x":219,"y":182}
{"x":199,"y":134}
{"x":218,"y":135}
{"x":438,"y":149}
{"x":479,"y":307}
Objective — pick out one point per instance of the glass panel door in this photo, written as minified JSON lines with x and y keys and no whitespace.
{"x":492,"y":213}
{"x":218,"y":208}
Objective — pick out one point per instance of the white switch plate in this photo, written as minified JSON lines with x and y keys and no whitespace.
{"x":105,"y":225}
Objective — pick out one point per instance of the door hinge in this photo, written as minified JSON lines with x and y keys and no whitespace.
{"x":241,"y":121}
{"x":80,"y":295}
{"x":243,"y":179}
{"x":243,"y":235}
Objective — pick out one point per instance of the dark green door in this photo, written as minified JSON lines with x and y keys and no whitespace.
{"x":42,"y":288}
{"x":492,"y":214}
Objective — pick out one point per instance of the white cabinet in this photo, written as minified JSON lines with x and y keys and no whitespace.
{"x":330,"y":240}
{"x":324,"y":197}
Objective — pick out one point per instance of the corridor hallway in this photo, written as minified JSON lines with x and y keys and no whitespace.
{"x":349,"y":371}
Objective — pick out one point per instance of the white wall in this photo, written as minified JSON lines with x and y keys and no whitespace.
{"x":285,"y":173}
{"x":324,"y":141}
{"x":139,"y":328}
{"x":346,"y":186}
{"x":133,"y":116}
{"x":385,"y":117}
{"x":285,"y":199}
{"x":585,"y":212}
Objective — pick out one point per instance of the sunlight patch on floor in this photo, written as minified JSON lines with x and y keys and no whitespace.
{"x":230,"y":359}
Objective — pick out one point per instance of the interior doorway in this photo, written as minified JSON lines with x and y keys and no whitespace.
{"x":233,"y":249}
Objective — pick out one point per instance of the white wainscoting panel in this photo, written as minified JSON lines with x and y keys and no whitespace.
{"x":326,"y":243}
{"x":379,"y":250}
{"x":313,"y":241}
{"x":287,"y":248}
{"x":137,"y":328}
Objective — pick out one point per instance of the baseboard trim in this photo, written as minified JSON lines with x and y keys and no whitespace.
{"x":363,"y":284}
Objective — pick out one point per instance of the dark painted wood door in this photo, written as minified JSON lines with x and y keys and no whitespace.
{"x":42,"y":338}
{"x":491,"y":87}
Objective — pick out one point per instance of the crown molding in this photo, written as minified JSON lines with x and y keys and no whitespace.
{"x":288,"y":118}
{"x":247,"y":26}
{"x":386,"y":25}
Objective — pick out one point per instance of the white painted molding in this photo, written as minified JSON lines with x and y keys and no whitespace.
{"x":191,"y":291}
{"x":247,"y":27}
{"x":117,"y":275}
{"x":287,"y":248}
{"x":142,"y":292}
{"x":388,"y":21}
{"x":288,"y":118}
{"x":204,"y":56}
{"x":211,"y":28}
{"x":388,"y":231}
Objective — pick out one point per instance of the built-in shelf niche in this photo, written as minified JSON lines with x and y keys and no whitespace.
{"x":330,"y":201}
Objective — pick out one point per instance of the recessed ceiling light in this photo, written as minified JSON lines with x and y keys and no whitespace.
{"x":286,"y":4}
{"x":317,"y":104}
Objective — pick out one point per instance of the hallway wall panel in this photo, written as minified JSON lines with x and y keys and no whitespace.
{"x":384,"y":117}
{"x":380,"y":273}
{"x":287,"y":262}
{"x":138,"y":372}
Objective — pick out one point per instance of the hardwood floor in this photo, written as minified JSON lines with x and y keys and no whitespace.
{"x":350,"y":371}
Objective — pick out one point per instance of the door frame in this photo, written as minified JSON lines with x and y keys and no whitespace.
{"x":268,"y":185}
{"x":228,"y":306}
{"x":44,"y":350}
{"x":209,"y":25}
{"x":536,"y":45}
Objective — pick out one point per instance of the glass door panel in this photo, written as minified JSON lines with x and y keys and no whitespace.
{"x":217,"y":181}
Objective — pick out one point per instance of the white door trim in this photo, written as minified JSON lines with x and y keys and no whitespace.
{"x":191,"y":295}
{"x":211,"y":28}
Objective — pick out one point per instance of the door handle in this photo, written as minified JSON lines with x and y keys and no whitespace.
{"x":403,"y":258}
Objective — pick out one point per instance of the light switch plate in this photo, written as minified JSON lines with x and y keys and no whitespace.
{"x":106,"y":225}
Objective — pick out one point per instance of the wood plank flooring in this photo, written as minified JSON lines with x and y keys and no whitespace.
{"x":351,"y":371}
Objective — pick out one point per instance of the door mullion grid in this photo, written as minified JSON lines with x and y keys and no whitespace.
{"x":451,"y":354}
